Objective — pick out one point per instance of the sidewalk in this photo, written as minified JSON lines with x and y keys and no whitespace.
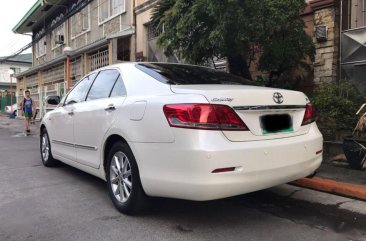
{"x":332,"y":177}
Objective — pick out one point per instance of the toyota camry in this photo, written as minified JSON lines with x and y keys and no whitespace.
{"x":180,"y":131}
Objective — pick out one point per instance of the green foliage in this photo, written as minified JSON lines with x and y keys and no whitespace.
{"x":198,"y":30}
{"x":284,"y":43}
{"x":337,"y":104}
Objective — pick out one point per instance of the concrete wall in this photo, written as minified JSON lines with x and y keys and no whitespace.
{"x":143,"y":11}
{"x":142,"y":19}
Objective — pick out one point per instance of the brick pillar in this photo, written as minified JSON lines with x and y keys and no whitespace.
{"x":326,"y":65}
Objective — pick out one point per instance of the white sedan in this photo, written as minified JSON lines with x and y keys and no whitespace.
{"x":180,"y":131}
{"x":11,"y":109}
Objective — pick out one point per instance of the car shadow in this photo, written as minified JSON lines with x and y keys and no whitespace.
{"x":248,"y":209}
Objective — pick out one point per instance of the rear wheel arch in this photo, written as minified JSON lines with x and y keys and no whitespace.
{"x":41,"y":128}
{"x":108,"y":146}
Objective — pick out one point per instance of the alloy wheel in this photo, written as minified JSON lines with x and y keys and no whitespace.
{"x":45,"y":148}
{"x":121,"y":177}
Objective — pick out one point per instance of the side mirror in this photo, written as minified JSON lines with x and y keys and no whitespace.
{"x":53,"y":100}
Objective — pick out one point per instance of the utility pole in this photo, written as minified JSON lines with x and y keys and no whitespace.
{"x":68,"y":50}
{"x":11,"y":73}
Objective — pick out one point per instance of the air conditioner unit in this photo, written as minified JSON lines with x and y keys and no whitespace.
{"x":321,"y":33}
{"x":59,"y":39}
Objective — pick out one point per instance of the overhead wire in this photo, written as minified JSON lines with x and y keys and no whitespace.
{"x":36,"y":39}
{"x":68,"y":15}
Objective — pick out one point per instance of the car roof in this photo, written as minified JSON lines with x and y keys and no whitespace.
{"x":124,"y":64}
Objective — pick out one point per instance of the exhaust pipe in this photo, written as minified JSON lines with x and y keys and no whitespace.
{"x":311,"y":175}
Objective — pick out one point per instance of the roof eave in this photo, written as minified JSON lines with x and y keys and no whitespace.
{"x":26,"y":16}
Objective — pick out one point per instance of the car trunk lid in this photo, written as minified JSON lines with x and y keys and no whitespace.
{"x":268,"y":113}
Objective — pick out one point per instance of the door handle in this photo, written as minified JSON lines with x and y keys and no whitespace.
{"x":110,"y":107}
{"x":71,"y":113}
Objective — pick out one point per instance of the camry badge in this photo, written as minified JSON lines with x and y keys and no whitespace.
{"x":278,"y":98}
{"x":222,"y":99}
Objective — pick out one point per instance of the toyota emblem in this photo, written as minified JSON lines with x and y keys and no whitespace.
{"x":278,"y":98}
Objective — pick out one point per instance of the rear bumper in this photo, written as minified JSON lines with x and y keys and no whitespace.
{"x":183,"y":169}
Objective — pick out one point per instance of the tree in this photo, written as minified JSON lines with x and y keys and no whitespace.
{"x":198,"y":30}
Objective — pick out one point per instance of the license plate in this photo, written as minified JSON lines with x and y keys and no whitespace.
{"x":276,"y":123}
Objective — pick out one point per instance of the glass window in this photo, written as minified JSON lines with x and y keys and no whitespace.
{"x":103,"y":84}
{"x":179,"y":74}
{"x":41,"y":47}
{"x":58,"y":36}
{"x":110,"y":8}
{"x":357,"y":17}
{"x":78,"y":93}
{"x":119,"y":88}
{"x":80,"y":22}
{"x":116,"y":6}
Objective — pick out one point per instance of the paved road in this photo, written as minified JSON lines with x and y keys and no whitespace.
{"x":62,"y":203}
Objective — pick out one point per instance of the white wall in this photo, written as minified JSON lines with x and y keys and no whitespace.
{"x":4,"y":70}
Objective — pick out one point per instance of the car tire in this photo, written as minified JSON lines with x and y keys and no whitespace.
{"x":45,"y":148}
{"x":123,"y":180}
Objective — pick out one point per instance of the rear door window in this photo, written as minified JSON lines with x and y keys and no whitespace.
{"x":103,"y":84}
{"x":118,"y":88}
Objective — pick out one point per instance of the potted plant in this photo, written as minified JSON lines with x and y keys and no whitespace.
{"x":354,"y":147}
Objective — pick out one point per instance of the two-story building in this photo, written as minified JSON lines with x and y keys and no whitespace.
{"x":17,"y":64}
{"x":10,"y":66}
{"x":99,"y":33}
{"x":146,"y":34}
{"x":102,"y":32}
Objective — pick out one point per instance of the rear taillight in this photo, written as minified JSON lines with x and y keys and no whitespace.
{"x":310,"y":115}
{"x":203,"y":116}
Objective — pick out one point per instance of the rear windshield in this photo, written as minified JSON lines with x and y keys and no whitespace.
{"x":179,"y":74}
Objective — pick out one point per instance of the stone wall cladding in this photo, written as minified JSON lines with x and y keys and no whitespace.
{"x":112,"y":26}
{"x":327,"y":53}
{"x":79,"y":42}
{"x":57,"y":51}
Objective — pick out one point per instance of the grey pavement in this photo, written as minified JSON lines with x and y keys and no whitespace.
{"x":62,"y":203}
{"x":342,"y":172}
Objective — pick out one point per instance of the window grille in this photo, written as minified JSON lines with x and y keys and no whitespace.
{"x":153,"y":32}
{"x":99,"y":59}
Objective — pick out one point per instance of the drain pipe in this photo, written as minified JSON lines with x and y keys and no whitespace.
{"x":340,"y":40}
{"x":134,"y":23}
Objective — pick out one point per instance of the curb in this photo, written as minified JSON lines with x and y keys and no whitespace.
{"x":331,"y":186}
{"x":343,"y":209}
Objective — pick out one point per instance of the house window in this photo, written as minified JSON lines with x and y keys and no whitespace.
{"x":16,"y":70}
{"x":110,"y":8}
{"x":58,"y":36}
{"x":356,"y":13}
{"x":80,"y":22}
{"x":41,"y":47}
